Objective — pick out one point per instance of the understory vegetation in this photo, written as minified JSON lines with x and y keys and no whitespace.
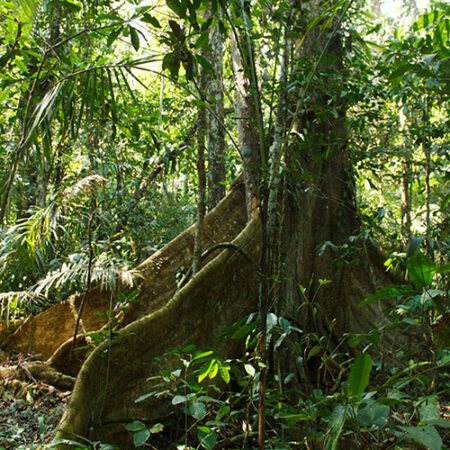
{"x":106,"y":155}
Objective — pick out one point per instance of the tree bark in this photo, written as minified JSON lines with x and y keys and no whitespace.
{"x":195,"y":315}
{"x":201,"y":175}
{"x":215,"y":120}
{"x":248,"y":113}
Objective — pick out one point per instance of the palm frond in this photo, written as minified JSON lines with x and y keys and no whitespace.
{"x":85,"y":185}
{"x":107,"y":272}
{"x":18,"y":304}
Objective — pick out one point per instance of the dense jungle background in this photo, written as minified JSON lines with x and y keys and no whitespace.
{"x":224,"y":224}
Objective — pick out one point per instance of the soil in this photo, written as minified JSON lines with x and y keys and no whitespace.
{"x":29,"y":410}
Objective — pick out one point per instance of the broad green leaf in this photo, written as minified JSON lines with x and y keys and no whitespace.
{"x":427,"y":436}
{"x":214,"y":370}
{"x":71,"y":4}
{"x":178,"y":6}
{"x":179,"y":399}
{"x":444,"y":268}
{"x":335,"y":426}
{"x":440,"y":423}
{"x":429,"y":410}
{"x":171,"y":61}
{"x":207,"y":438}
{"x":374,"y":414}
{"x":358,"y":378}
{"x":207,"y":67}
{"x":3,"y":96}
{"x":202,"y":40}
{"x":20,"y":64}
{"x":140,"y":10}
{"x":391,"y":291}
{"x":284,"y":324}
{"x":205,"y":371}
{"x":136,"y":425}
{"x":421,"y":270}
{"x":414,"y":244}
{"x":272,"y":320}
{"x":147,"y":18}
{"x":243,"y":331}
{"x":224,"y":371}
{"x":427,"y":19}
{"x":141,"y":437}
{"x":250,"y":369}
{"x":197,"y":410}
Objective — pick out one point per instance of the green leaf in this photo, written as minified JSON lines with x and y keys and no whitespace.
{"x":71,"y":4}
{"x":358,"y":378}
{"x":314,"y":351}
{"x":136,"y":425}
{"x":427,"y":436}
{"x":207,"y":437}
{"x":134,"y":37}
{"x":177,"y":6}
{"x":440,"y":423}
{"x":335,"y":426}
{"x":113,"y":36}
{"x":356,"y":339}
{"x":144,"y":397}
{"x":3,"y":96}
{"x":224,"y":372}
{"x":206,"y":370}
{"x":374,"y":414}
{"x":391,"y":291}
{"x":202,"y":40}
{"x":213,"y":370}
{"x":243,"y":331}
{"x":271,"y":321}
{"x":199,"y":355}
{"x":197,"y":410}
{"x":20,"y":64}
{"x":249,"y":369}
{"x":427,"y":19}
{"x":414,"y":244}
{"x":429,"y":410}
{"x":141,"y":437}
{"x":157,"y":428}
{"x":443,"y":268}
{"x":421,"y":270}
{"x":147,"y":18}
{"x":207,"y":67}
{"x":179,"y":399}
{"x":171,"y":61}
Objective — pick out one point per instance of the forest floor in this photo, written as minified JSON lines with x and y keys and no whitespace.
{"x":29,"y":411}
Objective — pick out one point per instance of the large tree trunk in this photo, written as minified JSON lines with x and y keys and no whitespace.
{"x":319,"y":210}
{"x":114,"y":376}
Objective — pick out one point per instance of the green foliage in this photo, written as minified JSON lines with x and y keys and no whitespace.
{"x":390,"y":405}
{"x":358,"y":378}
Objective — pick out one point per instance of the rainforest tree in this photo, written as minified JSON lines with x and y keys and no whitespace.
{"x":287,"y":242}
